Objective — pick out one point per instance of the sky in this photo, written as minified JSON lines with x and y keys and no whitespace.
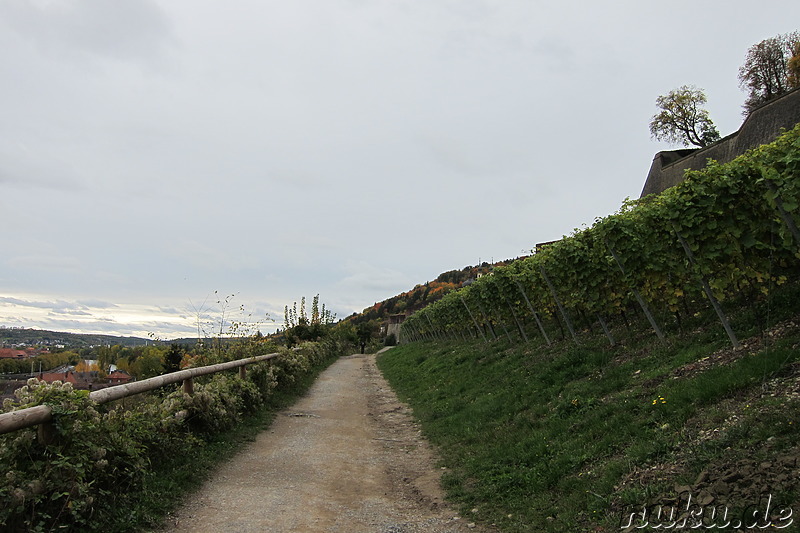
{"x":165,"y":164}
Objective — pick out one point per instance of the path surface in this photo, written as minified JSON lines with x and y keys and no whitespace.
{"x":345,"y":458}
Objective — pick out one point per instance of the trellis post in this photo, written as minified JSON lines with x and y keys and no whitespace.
{"x":638,"y":296}
{"x":558,"y":303}
{"x":533,"y":312}
{"x":707,"y":289}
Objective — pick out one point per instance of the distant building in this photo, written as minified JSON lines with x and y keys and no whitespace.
{"x":64,"y":377}
{"x":393,"y":325}
{"x":119,"y":377}
{"x":12,"y":353}
{"x":542,"y":245}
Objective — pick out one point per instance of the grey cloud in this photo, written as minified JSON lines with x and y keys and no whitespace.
{"x":23,"y":169}
{"x":46,"y":263}
{"x":171,"y":311}
{"x":60,"y":307}
{"x":110,"y":327}
{"x":37,"y":182}
{"x":365,"y":276}
{"x":558,"y":54}
{"x":96,"y":304}
{"x":125,"y":29}
{"x":59,"y":304}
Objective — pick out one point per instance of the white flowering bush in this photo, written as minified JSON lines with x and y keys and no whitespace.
{"x":89,"y":459}
{"x":214,"y":406}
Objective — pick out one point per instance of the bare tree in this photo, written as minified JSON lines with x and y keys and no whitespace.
{"x":682,"y":120}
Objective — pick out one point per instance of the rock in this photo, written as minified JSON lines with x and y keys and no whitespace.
{"x":733,"y":476}
{"x":705,"y":498}
{"x":721,"y":488}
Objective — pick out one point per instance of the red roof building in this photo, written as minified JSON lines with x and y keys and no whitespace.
{"x":64,"y":377}
{"x":119,"y":377}
{"x":11,"y":353}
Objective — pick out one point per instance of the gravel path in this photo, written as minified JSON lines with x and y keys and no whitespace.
{"x":346,"y":458}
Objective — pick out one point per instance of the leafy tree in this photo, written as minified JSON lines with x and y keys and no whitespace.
{"x":149,"y":365}
{"x":793,"y":66}
{"x":173,"y":358}
{"x":365,"y":332}
{"x":770,"y":69}
{"x":682,"y":120}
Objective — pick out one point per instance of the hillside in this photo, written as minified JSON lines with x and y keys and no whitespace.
{"x":641,"y":373}
{"x":424,"y":294}
{"x":582,"y":437}
{"x":39,"y":337}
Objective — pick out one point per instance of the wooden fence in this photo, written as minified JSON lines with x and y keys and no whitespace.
{"x":41,"y":415}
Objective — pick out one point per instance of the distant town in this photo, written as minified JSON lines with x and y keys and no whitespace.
{"x":59,"y":356}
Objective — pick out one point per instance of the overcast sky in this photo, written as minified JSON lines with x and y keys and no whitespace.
{"x":155,"y":151}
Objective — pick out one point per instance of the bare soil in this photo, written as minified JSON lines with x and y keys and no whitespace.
{"x":347,"y":457}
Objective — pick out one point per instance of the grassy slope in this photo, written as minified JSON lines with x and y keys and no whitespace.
{"x":564,"y":438}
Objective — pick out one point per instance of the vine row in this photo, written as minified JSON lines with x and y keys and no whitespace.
{"x":726,"y":231}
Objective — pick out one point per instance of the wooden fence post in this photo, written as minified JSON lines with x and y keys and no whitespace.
{"x":46,"y":433}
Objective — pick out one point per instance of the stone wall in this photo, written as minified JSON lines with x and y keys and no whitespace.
{"x":762,"y":126}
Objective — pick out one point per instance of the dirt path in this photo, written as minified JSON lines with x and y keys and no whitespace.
{"x":347,"y":457}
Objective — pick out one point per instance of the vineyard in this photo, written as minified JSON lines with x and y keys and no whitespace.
{"x":647,"y":364}
{"x":726,"y":233}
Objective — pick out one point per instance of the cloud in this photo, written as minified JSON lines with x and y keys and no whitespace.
{"x":59,"y":307}
{"x":34,"y":180}
{"x":209,"y":257}
{"x":42,"y":304}
{"x":74,"y":312}
{"x":46,"y":263}
{"x":97,"y":304}
{"x":96,"y":316}
{"x":23,"y":168}
{"x":558,"y":55}
{"x":363,"y":279}
{"x":123,"y":29}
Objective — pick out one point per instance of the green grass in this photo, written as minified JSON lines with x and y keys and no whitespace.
{"x":539,"y":439}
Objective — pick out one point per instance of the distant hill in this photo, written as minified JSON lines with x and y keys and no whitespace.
{"x":425,"y":294}
{"x":10,"y":337}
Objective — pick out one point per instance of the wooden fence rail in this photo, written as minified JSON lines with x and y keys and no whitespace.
{"x":42,"y":414}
